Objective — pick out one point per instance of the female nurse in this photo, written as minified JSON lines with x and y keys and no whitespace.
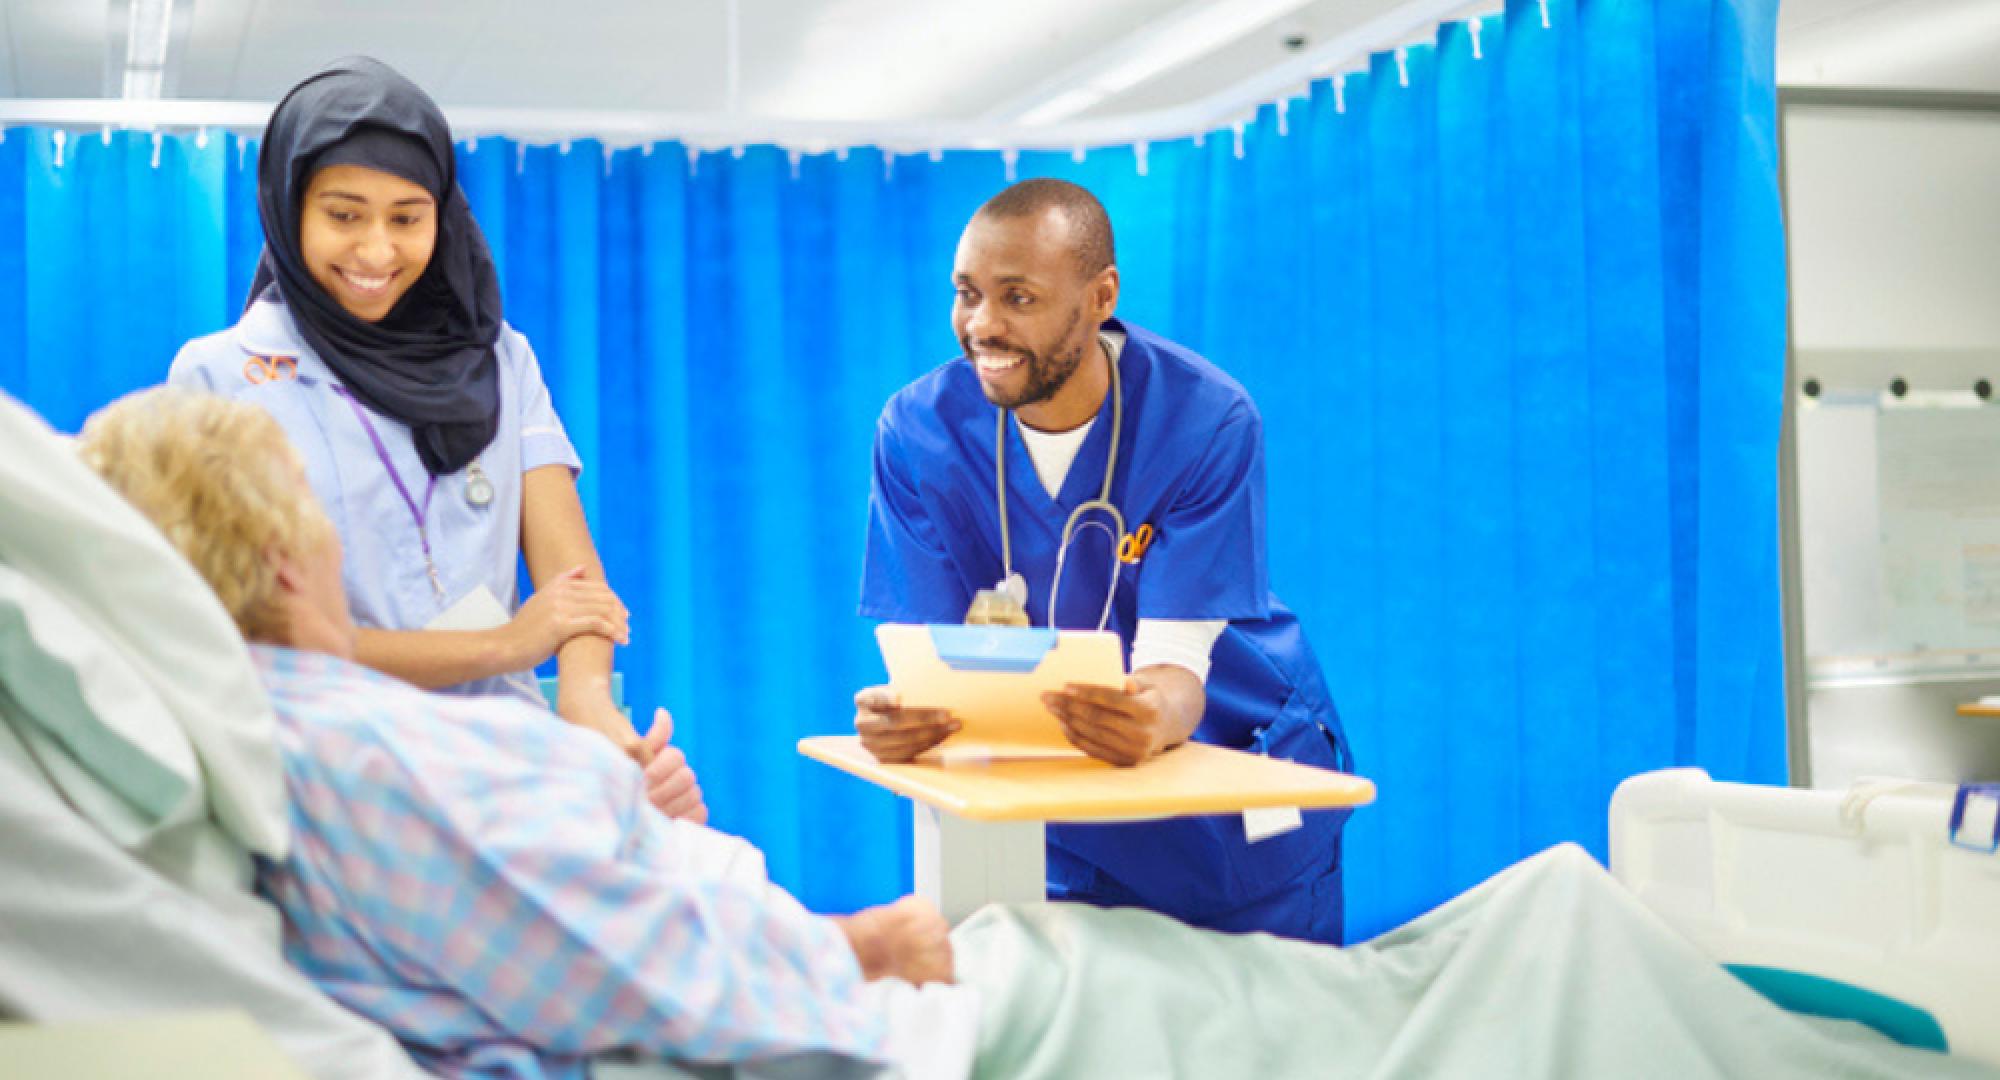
{"x":374,"y":334}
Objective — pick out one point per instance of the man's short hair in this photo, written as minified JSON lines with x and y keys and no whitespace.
{"x":1089,"y":225}
{"x":219,"y":478}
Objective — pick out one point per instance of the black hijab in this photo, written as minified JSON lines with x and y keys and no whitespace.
{"x":430,"y":362}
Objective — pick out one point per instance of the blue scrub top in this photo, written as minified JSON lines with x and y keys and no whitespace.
{"x":1191,"y":465}
{"x":387,"y":585}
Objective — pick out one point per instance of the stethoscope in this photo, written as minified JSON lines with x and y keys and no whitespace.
{"x":1012,"y":585}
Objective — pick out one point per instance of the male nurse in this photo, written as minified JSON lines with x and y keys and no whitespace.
{"x":984,"y":465}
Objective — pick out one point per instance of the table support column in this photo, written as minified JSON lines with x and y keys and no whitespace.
{"x":963,"y":865}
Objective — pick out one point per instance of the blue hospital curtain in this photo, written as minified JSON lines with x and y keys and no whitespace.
{"x":1512,"y":306}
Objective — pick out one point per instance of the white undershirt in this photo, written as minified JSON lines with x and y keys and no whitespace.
{"x":1053,"y":452}
{"x":1185,"y":643}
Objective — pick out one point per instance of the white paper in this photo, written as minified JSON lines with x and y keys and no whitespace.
{"x":1266,"y":822}
{"x":476,"y":610}
{"x":1978,"y":824}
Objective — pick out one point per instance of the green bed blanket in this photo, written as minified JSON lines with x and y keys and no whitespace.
{"x":1549,"y":969}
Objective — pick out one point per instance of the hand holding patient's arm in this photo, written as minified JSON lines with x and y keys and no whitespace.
{"x":907,"y":940}
{"x":896,"y":733}
{"x":566,"y":606}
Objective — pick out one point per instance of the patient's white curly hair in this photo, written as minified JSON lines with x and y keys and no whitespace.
{"x":221,"y":481}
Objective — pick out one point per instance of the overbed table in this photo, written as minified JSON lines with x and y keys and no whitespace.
{"x":980,"y":826}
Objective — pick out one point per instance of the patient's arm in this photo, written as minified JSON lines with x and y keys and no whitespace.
{"x":591,"y":924}
{"x":556,"y":545}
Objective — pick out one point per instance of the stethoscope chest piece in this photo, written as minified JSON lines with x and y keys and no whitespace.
{"x":478,"y":489}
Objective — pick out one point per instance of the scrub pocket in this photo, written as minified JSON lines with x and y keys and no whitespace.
{"x":1313,"y":848}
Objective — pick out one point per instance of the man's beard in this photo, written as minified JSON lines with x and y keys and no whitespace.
{"x":1046,"y":373}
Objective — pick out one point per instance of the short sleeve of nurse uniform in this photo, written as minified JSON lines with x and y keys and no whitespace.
{"x":1207,"y":559}
{"x":907,"y":573}
{"x":543,"y":439}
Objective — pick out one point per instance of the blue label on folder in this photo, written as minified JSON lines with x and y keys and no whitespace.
{"x":1016,"y":649}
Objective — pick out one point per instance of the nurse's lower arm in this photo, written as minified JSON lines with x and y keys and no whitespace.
{"x":434,"y":659}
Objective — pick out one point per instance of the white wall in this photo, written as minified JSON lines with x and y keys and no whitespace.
{"x":1893,"y":222}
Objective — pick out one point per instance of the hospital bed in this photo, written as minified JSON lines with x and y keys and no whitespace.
{"x":1880,"y":904}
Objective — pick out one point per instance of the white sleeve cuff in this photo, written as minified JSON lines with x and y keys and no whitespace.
{"x":1184,"y":643}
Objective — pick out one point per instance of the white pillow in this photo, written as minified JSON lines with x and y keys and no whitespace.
{"x":66,"y":531}
{"x":96,"y":728}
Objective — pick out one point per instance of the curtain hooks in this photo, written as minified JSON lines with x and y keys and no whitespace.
{"x":737,"y":152}
{"x":1284,"y":107}
{"x":156,"y":149}
{"x":840,"y":154}
{"x":937,"y":154}
{"x":60,"y":138}
{"x":1140,"y":151}
{"x":1473,"y":27}
{"x":1238,"y":129}
{"x":472,"y":146}
{"x":1340,"y":94}
{"x":1545,"y":13}
{"x":888,"y":165}
{"x":792,"y":158}
{"x":563,"y":148}
{"x":1076,"y":153}
{"x":608,"y":152}
{"x":1011,"y":158}
{"x":646,"y":149}
{"x":520,"y":158}
{"x":694,"y":160}
{"x":201,"y":139}
{"x":1200,"y":139}
{"x":107,"y":134}
{"x":1402,"y":67}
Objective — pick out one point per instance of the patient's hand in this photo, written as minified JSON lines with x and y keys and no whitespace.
{"x":894,"y":733}
{"x":670,"y":782}
{"x":906,"y":940}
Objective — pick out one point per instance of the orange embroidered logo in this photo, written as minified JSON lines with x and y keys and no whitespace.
{"x":263,"y":369}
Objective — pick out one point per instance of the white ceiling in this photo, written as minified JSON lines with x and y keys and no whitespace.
{"x":842,"y":60}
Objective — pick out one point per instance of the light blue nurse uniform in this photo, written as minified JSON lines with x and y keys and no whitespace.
{"x":388,"y":587}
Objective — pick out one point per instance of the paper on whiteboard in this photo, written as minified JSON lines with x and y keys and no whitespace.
{"x":1938,"y":472}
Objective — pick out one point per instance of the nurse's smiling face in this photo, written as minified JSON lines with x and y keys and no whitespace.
{"x":1027,"y":315}
{"x":366,"y":236}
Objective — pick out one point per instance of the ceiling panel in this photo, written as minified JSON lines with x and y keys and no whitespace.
{"x":1259,"y":50}
{"x":853,"y":60}
{"x":949,"y":59}
{"x":1914,"y":44}
{"x":596,"y":55}
{"x":58,"y":49}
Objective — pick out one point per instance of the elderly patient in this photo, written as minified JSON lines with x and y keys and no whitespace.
{"x":491,"y":887}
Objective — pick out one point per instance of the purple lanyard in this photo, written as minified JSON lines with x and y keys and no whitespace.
{"x":419,"y":514}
